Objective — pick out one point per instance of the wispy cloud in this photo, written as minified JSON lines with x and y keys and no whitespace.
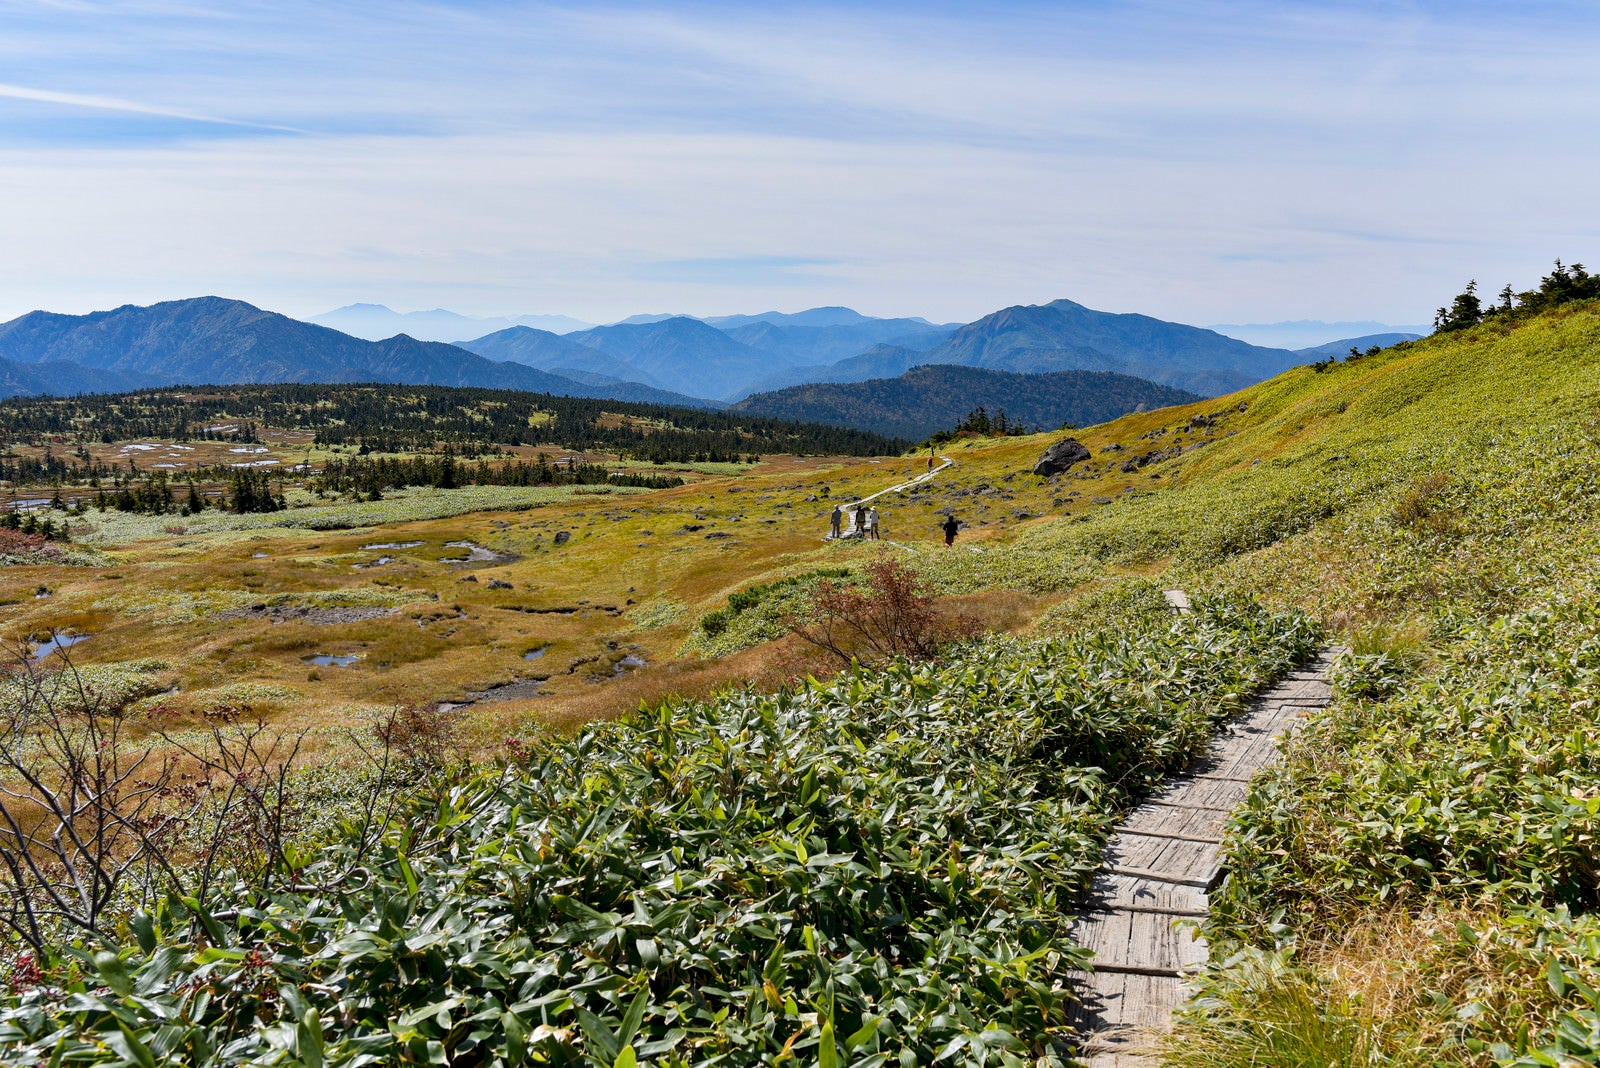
{"x":134,"y":107}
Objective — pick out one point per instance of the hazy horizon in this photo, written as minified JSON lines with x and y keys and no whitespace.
{"x":1202,"y":163}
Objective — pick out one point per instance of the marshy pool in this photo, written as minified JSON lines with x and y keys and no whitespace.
{"x":476,"y":554}
{"x":45,"y":650}
{"x":331,"y":660}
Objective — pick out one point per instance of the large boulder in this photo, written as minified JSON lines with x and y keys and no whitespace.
{"x":1061,"y":456}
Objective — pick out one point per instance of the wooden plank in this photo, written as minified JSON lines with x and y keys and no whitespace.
{"x":1175,"y":858}
{"x":1197,"y":823}
{"x":1237,"y":759}
{"x":1206,"y":839}
{"x":1120,"y":1015}
{"x":1203,"y":793}
{"x":1141,"y":943}
{"x":1161,"y":876}
{"x":1110,"y":890}
{"x":1306,"y":689}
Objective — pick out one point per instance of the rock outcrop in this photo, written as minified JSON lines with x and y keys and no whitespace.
{"x":1061,"y":457}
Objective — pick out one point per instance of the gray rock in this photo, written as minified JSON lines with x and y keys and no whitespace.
{"x":1061,"y":456}
{"x":563,"y":536}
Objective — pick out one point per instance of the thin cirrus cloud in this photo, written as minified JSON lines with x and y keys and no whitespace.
{"x":1205,"y":160}
{"x":107,"y":103}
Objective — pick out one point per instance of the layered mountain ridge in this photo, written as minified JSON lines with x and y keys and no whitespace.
{"x":668,"y":359}
{"x":213,"y":340}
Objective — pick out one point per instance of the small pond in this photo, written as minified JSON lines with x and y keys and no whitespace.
{"x":476,"y":554}
{"x":395,"y":545}
{"x":331,"y":660}
{"x":628,"y":663}
{"x":61,"y":641}
{"x":534,"y":654}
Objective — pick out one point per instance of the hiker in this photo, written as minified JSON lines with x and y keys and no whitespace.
{"x":836,"y":519}
{"x":950,"y":528}
{"x":861,"y":521}
{"x":872,"y":523}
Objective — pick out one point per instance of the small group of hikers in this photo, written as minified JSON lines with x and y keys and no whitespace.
{"x":866,"y":524}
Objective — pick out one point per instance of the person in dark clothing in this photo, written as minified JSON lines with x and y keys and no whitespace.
{"x":861,"y":521}
{"x":836,"y":519}
{"x":950,"y":527}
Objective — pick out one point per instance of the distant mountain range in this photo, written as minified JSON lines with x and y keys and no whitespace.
{"x":733,"y":356}
{"x":666,"y":359}
{"x":938,"y":396}
{"x":1343,"y":346}
{"x":376,"y":322}
{"x":1302,"y":334}
{"x":728,"y":361}
{"x":212,"y":340}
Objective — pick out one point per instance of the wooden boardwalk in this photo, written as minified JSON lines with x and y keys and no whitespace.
{"x":1157,"y":869}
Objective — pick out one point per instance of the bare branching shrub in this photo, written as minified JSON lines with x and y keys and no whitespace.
{"x":81,"y":810}
{"x":98,"y":812}
{"x":248,"y":807}
{"x":890,"y":614}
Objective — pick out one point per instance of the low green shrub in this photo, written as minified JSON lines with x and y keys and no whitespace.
{"x":874,"y":871}
{"x":1473,"y":787}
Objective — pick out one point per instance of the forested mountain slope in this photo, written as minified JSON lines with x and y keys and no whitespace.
{"x":931,"y":398}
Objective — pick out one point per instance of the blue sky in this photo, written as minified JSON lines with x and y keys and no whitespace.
{"x":1205,"y":162}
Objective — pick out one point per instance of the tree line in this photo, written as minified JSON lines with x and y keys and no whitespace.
{"x":369,"y":477}
{"x":406,"y":418}
{"x":1563,"y":285}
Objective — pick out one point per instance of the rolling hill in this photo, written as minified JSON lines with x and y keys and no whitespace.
{"x":936,"y":397}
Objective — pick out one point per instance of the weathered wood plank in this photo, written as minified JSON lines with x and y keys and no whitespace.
{"x":1143,"y":943}
{"x":1203,"y":793}
{"x":1237,"y":758}
{"x":1173,"y":857}
{"x":1122,"y":1013}
{"x":1196,"y":823}
{"x":1110,"y":890}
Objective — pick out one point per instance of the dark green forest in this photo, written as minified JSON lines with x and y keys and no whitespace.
{"x":407,"y":418}
{"x":928,"y":399}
